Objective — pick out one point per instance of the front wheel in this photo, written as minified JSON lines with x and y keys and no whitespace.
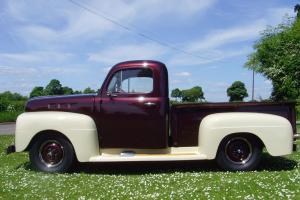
{"x":52,"y":154}
{"x":239,"y":153}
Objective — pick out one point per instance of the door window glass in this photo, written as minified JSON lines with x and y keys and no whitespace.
{"x":132,"y":81}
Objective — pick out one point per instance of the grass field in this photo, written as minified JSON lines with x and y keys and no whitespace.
{"x":9,"y":116}
{"x":276,"y":178}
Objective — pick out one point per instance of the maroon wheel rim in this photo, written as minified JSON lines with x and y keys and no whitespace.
{"x":238,"y":150}
{"x":51,"y":153}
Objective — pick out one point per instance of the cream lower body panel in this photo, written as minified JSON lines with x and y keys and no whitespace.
{"x":275,"y":132}
{"x":79,"y":129}
{"x":139,"y":158}
{"x":169,"y":154}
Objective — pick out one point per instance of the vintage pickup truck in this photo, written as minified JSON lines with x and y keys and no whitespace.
{"x":130,"y":120}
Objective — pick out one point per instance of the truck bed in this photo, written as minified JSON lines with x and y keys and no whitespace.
{"x":186,"y":118}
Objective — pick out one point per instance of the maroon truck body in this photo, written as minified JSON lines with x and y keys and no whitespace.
{"x":186,"y":118}
{"x":145,"y":120}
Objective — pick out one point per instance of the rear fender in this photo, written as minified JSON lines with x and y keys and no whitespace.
{"x":274,"y":131}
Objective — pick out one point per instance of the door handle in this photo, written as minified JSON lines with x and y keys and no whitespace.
{"x":110,"y":94}
{"x":149,"y":104}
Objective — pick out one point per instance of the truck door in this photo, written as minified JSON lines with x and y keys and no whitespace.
{"x":132,"y":113}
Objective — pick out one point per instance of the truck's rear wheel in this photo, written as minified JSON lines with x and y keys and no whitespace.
{"x":239,"y":153}
{"x":52,"y":154}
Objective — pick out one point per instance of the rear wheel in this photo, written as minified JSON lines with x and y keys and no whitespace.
{"x":52,"y":154}
{"x":239,"y":153}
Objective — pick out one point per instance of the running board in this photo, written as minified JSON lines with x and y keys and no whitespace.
{"x":147,"y":157}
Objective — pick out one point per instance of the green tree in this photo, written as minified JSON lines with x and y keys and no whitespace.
{"x":12,"y":102}
{"x":54,"y":88}
{"x":176,"y":93}
{"x":4,"y":102}
{"x":12,"y":96}
{"x":297,"y":10}
{"x":67,"y":90}
{"x":277,"y":57}
{"x":77,"y":92}
{"x":36,"y":92}
{"x":237,"y":91}
{"x":194,"y":94}
{"x":88,"y":90}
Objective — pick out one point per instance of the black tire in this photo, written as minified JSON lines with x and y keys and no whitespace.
{"x":52,"y":153}
{"x":239,"y":153}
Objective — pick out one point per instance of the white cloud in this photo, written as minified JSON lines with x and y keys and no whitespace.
{"x":176,"y":81}
{"x":220,"y":85}
{"x":34,"y":57}
{"x":215,"y":90}
{"x":21,"y":86}
{"x":180,"y":81}
{"x":6,"y":71}
{"x":184,"y":74}
{"x":120,"y":53}
{"x":268,"y":83}
{"x":209,"y":56}
{"x":37,"y":34}
{"x":36,"y":71}
{"x":211,"y":46}
{"x":177,"y":8}
{"x":218,"y":38}
{"x":276,"y":15}
{"x":11,"y":57}
{"x":23,"y":79}
{"x":68,"y":22}
{"x":106,"y":69}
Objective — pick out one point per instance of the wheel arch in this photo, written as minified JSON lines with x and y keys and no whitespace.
{"x":272,"y":131}
{"x":79,"y":129}
{"x":51,"y":132}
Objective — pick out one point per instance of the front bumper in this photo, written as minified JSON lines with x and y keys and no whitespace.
{"x":10,"y":149}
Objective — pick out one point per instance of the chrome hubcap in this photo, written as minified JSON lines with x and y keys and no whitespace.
{"x":238,"y":150}
{"x":51,"y":153}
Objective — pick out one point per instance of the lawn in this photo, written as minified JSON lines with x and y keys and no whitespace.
{"x":277,"y":178}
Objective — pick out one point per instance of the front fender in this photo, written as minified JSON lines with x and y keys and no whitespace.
{"x":274,"y":131}
{"x":80,"y":129}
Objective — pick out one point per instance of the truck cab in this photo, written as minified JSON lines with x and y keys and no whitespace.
{"x":130,"y":119}
{"x":134,"y":106}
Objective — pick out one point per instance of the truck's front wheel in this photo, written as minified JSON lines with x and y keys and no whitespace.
{"x":51,"y":154}
{"x":239,"y":153}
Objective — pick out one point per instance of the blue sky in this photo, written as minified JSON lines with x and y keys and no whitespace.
{"x":42,"y":40}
